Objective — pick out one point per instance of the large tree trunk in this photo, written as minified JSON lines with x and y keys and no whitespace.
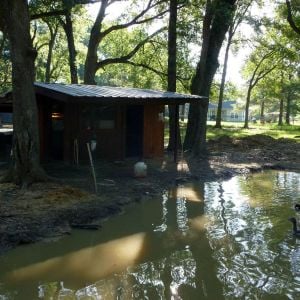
{"x":68,"y":28}
{"x":90,"y":67}
{"x":92,"y":62}
{"x":195,"y":124}
{"x":217,"y":19}
{"x":172,"y":52}
{"x":25,"y":167}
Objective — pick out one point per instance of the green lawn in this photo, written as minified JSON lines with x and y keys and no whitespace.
{"x":232,"y":129}
{"x":237,"y":130}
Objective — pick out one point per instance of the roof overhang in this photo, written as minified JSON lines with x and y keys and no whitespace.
{"x":80,"y":93}
{"x":106,"y":95}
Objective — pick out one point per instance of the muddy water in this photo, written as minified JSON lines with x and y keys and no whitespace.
{"x":221,"y":240}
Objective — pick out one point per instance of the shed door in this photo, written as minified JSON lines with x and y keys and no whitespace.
{"x":134,"y":130}
{"x":57,"y":136}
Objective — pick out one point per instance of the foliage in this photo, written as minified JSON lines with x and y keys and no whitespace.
{"x":5,"y":65}
{"x":282,"y":84}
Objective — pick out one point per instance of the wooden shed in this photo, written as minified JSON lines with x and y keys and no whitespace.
{"x":122,"y":122}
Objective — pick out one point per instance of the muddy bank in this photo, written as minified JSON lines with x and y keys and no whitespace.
{"x":47,"y":211}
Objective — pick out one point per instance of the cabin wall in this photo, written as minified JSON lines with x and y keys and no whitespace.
{"x":52,"y":120}
{"x":153,"y":131}
{"x":105,"y":125}
{"x":44,"y":127}
{"x":86,"y":122}
{"x":71,"y":129}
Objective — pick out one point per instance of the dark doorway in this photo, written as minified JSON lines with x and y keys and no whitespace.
{"x":57,"y":136}
{"x":134,"y":130}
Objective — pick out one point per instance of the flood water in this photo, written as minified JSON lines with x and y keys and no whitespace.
{"x":219,"y":240}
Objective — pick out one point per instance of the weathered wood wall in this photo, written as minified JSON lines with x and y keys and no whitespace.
{"x":153,"y":131}
{"x":111,"y":142}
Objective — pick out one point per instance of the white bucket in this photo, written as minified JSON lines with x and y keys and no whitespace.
{"x":140,"y":169}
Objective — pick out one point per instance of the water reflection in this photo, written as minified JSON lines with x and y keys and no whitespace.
{"x":86,"y":265}
{"x":146,"y":280}
{"x":220,"y":240}
{"x":252,"y":240}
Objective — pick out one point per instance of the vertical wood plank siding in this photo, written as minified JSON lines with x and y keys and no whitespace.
{"x":153,"y":131}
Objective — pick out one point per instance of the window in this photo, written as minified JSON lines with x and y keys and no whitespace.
{"x":105,"y":117}
{"x":99,"y":117}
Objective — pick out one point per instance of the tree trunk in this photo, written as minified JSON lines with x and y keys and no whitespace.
{"x":172,"y":49}
{"x":68,"y":28}
{"x":195,"y":124}
{"x":288,"y":108}
{"x":246,"y":123}
{"x":25,"y":166}
{"x":53,"y":33}
{"x":290,"y":17}
{"x":258,"y":74}
{"x":280,"y":119}
{"x":90,"y":67}
{"x":216,"y":22}
{"x":222,"y":86}
{"x":262,"y":111}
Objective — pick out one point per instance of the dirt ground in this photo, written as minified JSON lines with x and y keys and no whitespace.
{"x":46,"y":211}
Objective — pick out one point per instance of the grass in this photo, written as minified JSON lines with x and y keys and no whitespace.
{"x":236,"y":130}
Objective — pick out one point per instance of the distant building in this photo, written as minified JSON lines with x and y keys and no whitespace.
{"x":5,"y":118}
{"x":230,"y":112}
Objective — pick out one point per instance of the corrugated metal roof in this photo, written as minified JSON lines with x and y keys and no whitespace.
{"x":95,"y":91}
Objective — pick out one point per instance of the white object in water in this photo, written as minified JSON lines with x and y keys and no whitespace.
{"x":140,"y":169}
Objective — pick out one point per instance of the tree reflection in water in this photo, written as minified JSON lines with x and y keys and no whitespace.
{"x":214,"y":240}
{"x":146,"y":280}
{"x":256,"y":256}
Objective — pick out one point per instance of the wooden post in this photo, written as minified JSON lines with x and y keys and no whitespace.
{"x":76,"y":152}
{"x":176,"y":120}
{"x":92,"y":165}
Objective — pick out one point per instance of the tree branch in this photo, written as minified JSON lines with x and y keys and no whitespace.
{"x":290,"y":17}
{"x":39,"y":47}
{"x":263,"y":74}
{"x":160,"y":73}
{"x":258,"y":66}
{"x":239,"y":17}
{"x":125,"y":58}
{"x":48,"y":14}
{"x":135,"y":20}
